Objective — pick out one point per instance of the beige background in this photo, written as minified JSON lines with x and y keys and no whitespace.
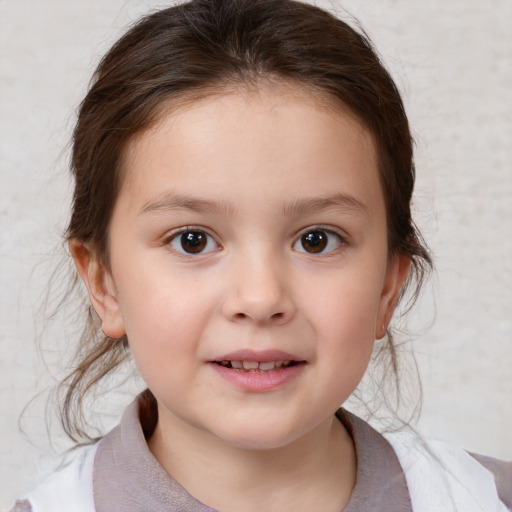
{"x":453,"y":62}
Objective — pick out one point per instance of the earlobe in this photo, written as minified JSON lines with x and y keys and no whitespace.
{"x":396,"y":274}
{"x":101,"y":287}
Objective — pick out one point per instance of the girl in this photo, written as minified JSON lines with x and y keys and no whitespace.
{"x":241,"y":220}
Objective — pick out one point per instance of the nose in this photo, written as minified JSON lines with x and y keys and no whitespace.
{"x":258,"y":293}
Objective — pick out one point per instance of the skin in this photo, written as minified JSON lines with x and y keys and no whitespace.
{"x":263,"y":163}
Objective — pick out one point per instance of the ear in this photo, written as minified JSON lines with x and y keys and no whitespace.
{"x":101,"y":287}
{"x":396,"y":274}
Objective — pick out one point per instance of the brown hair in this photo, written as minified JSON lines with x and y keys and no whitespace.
{"x":200,"y":47}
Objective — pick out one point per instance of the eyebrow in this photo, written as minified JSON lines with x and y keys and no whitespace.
{"x":169,"y":202}
{"x":344,"y":203}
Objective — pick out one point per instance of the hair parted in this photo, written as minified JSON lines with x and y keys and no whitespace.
{"x":199,"y":48}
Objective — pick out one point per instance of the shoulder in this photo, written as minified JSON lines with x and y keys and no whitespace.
{"x":502,"y":472}
{"x":22,"y":506}
{"x":445,"y":477}
{"x":68,"y":489}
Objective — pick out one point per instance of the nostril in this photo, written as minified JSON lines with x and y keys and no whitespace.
{"x":276,"y":317}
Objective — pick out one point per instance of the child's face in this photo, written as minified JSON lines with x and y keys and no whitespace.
{"x":286,"y":259}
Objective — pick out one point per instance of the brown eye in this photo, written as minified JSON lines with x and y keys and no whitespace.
{"x":316,"y":241}
{"x":193,"y":242}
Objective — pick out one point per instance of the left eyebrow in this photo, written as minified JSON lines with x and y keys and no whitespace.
{"x":341,"y":202}
{"x":169,"y":202}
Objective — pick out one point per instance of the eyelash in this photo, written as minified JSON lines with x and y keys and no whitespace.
{"x":341,"y":239}
{"x":178,"y":235}
{"x":323,"y":242}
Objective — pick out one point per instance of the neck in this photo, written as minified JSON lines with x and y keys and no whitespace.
{"x":315,"y":472}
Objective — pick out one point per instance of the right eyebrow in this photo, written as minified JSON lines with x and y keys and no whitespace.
{"x":170,"y":202}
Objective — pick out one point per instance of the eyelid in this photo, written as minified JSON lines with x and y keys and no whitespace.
{"x":175,"y":233}
{"x":330,"y":230}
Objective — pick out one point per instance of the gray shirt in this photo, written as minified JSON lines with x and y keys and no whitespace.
{"x":128,"y":478}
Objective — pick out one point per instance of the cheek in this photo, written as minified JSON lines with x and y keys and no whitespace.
{"x":164,"y":318}
{"x":343,"y":315}
{"x":346,"y":304}
{"x":163,"y":299}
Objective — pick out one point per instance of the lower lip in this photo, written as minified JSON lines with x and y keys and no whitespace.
{"x":257,"y":382}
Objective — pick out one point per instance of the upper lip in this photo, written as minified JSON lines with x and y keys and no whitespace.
{"x":262,"y":356}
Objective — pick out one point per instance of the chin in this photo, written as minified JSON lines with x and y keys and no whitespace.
{"x":256,"y":435}
{"x":258,"y":443}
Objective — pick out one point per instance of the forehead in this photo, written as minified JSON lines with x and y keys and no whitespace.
{"x":280,"y":135}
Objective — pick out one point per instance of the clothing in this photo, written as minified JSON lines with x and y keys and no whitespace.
{"x":128,"y":478}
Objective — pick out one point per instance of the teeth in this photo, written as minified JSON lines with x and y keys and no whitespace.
{"x":255,"y":365}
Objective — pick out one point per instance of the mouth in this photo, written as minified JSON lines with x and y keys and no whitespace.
{"x":257,"y":366}
{"x":258,"y":371}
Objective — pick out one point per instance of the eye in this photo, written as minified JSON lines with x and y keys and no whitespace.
{"x":317,"y":241}
{"x":193,"y":241}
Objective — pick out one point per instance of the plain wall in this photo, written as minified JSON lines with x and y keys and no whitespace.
{"x":452,"y":61}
